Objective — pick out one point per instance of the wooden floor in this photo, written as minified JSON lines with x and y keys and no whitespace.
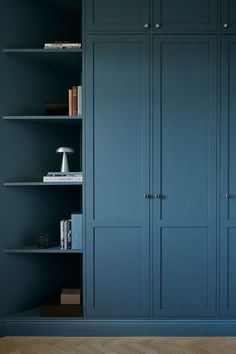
{"x":118,"y":345}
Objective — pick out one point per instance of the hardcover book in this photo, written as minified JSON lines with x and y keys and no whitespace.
{"x":76,"y":231}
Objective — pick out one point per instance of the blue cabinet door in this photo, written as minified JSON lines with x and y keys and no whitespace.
{"x":184,"y":175}
{"x":117,"y":15}
{"x":228,"y":177}
{"x":184,"y":15}
{"x":117,"y":175}
{"x":228,"y":16}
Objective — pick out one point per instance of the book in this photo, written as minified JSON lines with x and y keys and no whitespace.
{"x":68,"y":235}
{"x":62,"y":234}
{"x":74,"y":100}
{"x":76,"y":230}
{"x":65,"y":235}
{"x":70,"y":297}
{"x":57,"y":173}
{"x":70,"y":97}
{"x":79,"y":95}
{"x":62,"y":45}
{"x":63,"y":178}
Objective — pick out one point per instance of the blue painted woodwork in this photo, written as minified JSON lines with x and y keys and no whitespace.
{"x":184,"y":15}
{"x":117,"y":14}
{"x":172,"y":16}
{"x":36,"y":326}
{"x":228,"y":16}
{"x":184,"y":173}
{"x":228,"y":177}
{"x":117,"y":175}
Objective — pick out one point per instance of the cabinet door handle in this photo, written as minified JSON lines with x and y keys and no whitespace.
{"x":148,"y":196}
{"x":226,"y":25}
{"x":146,"y":25}
{"x":157,"y":25}
{"x":225,"y":196}
{"x":158,"y":196}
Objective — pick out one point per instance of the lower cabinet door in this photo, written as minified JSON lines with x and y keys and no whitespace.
{"x":184,"y":215}
{"x":228,"y":177}
{"x":117,"y":175}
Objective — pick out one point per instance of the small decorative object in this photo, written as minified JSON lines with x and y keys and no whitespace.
{"x":44,"y":241}
{"x":64,"y":151}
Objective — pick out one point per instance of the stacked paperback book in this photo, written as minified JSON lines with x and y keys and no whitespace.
{"x":75,"y":101}
{"x":71,"y":232}
{"x":63,"y":177}
{"x":62,"y":45}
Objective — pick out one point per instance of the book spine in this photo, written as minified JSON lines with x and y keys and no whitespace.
{"x":70,"y":102}
{"x":63,"y":179}
{"x":69,"y":238}
{"x":74,"y":100}
{"x":62,"y":234}
{"x":76,"y":230}
{"x":61,"y":45}
{"x":79,"y":100}
{"x":53,"y":46}
{"x":65,"y":234}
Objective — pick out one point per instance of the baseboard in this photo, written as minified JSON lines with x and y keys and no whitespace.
{"x":86,"y":327}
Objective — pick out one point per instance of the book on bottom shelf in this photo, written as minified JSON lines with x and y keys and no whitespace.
{"x":70,"y":297}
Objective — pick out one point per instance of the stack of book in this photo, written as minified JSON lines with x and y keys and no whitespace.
{"x":75,"y":101}
{"x":62,"y":45}
{"x":71,"y":235}
{"x":70,"y":297}
{"x":65,"y":234}
{"x":63,"y":177}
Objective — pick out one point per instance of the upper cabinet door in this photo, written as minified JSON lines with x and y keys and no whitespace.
{"x":117,"y":15}
{"x":228,"y":16}
{"x":184,"y":15}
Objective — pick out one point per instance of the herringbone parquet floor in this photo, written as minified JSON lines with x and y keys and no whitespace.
{"x":118,"y":345}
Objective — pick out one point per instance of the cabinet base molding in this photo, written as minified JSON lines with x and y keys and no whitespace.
{"x":90,"y":327}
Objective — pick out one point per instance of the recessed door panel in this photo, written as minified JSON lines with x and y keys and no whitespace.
{"x":117,"y":14}
{"x":184,"y":175}
{"x":184,"y":276}
{"x":119,"y":271}
{"x":185,"y":15}
{"x":185,"y":124}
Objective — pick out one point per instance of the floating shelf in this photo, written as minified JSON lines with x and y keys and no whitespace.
{"x":40,"y":184}
{"x":35,"y":249}
{"x":37,"y":50}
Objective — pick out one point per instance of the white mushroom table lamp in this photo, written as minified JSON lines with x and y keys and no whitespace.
{"x":64,"y":151}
